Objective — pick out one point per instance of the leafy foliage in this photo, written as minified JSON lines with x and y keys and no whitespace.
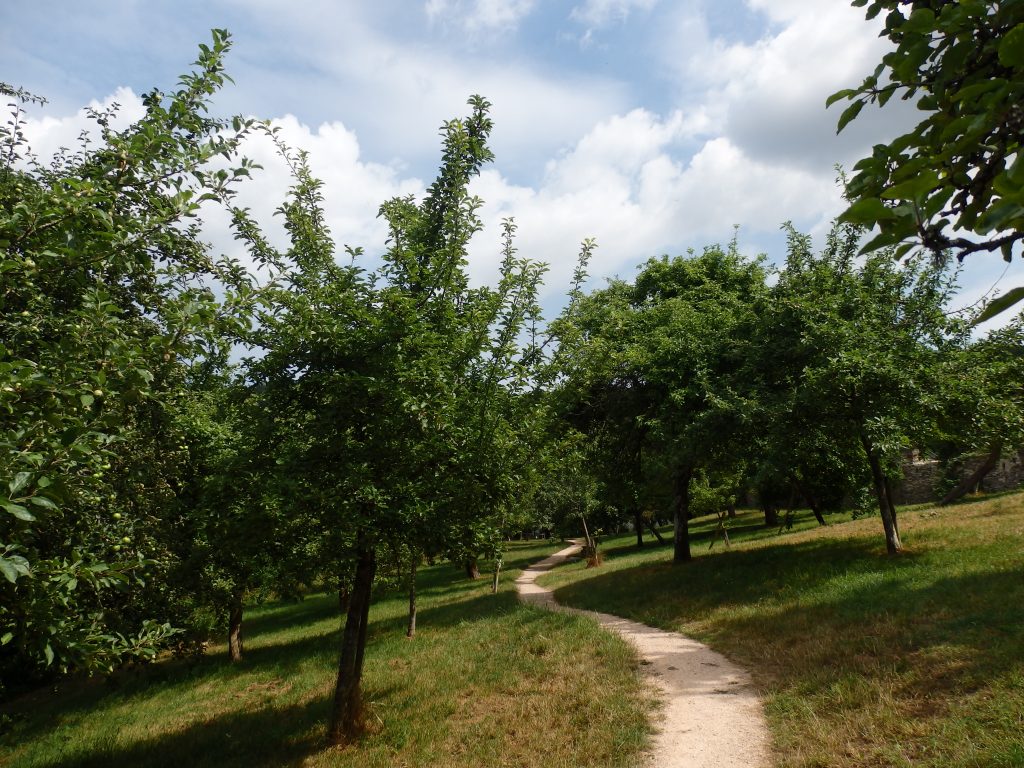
{"x":963,"y":65}
{"x":107,"y":303}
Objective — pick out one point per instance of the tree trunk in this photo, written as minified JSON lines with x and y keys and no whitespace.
{"x":235,"y":627}
{"x":410,"y":631}
{"x":681,"y":534}
{"x":885,"y":506}
{"x":346,"y":711}
{"x":657,"y":534}
{"x":965,"y":485}
{"x":496,"y":576}
{"x":344,"y":595}
{"x":890,"y":501}
{"x":472,"y":569}
{"x":638,"y":524}
{"x":730,"y":509}
{"x":811,"y":500}
{"x":771,"y":515}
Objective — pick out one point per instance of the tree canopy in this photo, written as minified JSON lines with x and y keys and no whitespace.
{"x":960,"y":168}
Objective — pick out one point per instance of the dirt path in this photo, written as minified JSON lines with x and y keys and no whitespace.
{"x":711,"y":719}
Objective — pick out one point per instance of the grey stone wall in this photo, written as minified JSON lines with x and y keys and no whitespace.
{"x":921,"y":476}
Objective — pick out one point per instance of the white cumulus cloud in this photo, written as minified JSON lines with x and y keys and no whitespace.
{"x":600,"y":13}
{"x":479,"y":15}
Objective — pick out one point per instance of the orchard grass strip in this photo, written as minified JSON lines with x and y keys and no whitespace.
{"x":486,"y":682}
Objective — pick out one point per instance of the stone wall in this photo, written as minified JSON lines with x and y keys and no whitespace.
{"x":921,"y":477}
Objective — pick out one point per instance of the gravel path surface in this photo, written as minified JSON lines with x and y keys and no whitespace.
{"x":711,"y":718}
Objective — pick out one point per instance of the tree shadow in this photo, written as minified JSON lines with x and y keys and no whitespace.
{"x":275,"y":617}
{"x":269,"y":736}
{"x":269,"y":649}
{"x":451,"y":614}
{"x":853,"y":608}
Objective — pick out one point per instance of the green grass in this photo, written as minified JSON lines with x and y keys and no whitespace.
{"x":486,"y":682}
{"x":862,"y":659}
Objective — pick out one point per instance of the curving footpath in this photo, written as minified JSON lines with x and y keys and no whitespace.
{"x":712,"y":717}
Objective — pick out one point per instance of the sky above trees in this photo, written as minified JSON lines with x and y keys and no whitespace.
{"x":652,"y":126}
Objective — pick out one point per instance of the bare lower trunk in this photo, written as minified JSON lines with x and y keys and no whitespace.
{"x":681,"y":534}
{"x":496,"y":576}
{"x":410,"y":630}
{"x":586,"y":535}
{"x":771,"y":515}
{"x":472,"y":569}
{"x":969,"y":483}
{"x":811,"y":500}
{"x":638,"y":524}
{"x":344,"y":595}
{"x":657,"y":534}
{"x":731,"y":510}
{"x":346,"y":711}
{"x":885,"y":506}
{"x":235,"y":628}
{"x":890,"y":500}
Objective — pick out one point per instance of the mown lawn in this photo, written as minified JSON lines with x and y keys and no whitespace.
{"x":486,"y":682}
{"x":862,"y":659}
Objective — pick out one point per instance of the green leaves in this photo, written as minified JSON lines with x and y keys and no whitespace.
{"x":20,"y":481}
{"x":107,"y":291}
{"x":999,"y":305}
{"x":846,"y":93}
{"x":17,"y":510}
{"x":1011,"y":48}
{"x":964,"y":64}
{"x":914,"y":188}
{"x":13,"y":567}
{"x":867,"y":212}
{"x":850,"y":114}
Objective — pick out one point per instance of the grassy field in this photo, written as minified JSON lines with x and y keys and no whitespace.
{"x":486,"y":682}
{"x":863,"y":660}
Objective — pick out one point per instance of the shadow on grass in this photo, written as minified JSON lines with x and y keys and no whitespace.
{"x":272,"y":618}
{"x":836,"y":598}
{"x":748,"y":524}
{"x":270,"y":736}
{"x":279,"y":641}
{"x":39,"y":712}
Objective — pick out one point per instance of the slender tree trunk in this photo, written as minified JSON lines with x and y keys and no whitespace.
{"x":235,"y":627}
{"x":655,"y":532}
{"x":586,"y":535}
{"x":681,"y":534}
{"x":811,"y":500}
{"x":890,"y":500}
{"x":496,"y":576}
{"x":410,"y":631}
{"x":885,"y":506}
{"x":344,"y":595}
{"x":638,"y":523}
{"x":346,"y":711}
{"x":965,"y":485}
{"x":730,"y":509}
{"x":472,"y":569}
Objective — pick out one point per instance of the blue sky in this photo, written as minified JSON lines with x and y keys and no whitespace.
{"x":653,"y":126}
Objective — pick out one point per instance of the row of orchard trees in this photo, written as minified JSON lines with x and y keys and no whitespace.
{"x":380,"y":416}
{"x":702,"y":379}
{"x":389,"y":414}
